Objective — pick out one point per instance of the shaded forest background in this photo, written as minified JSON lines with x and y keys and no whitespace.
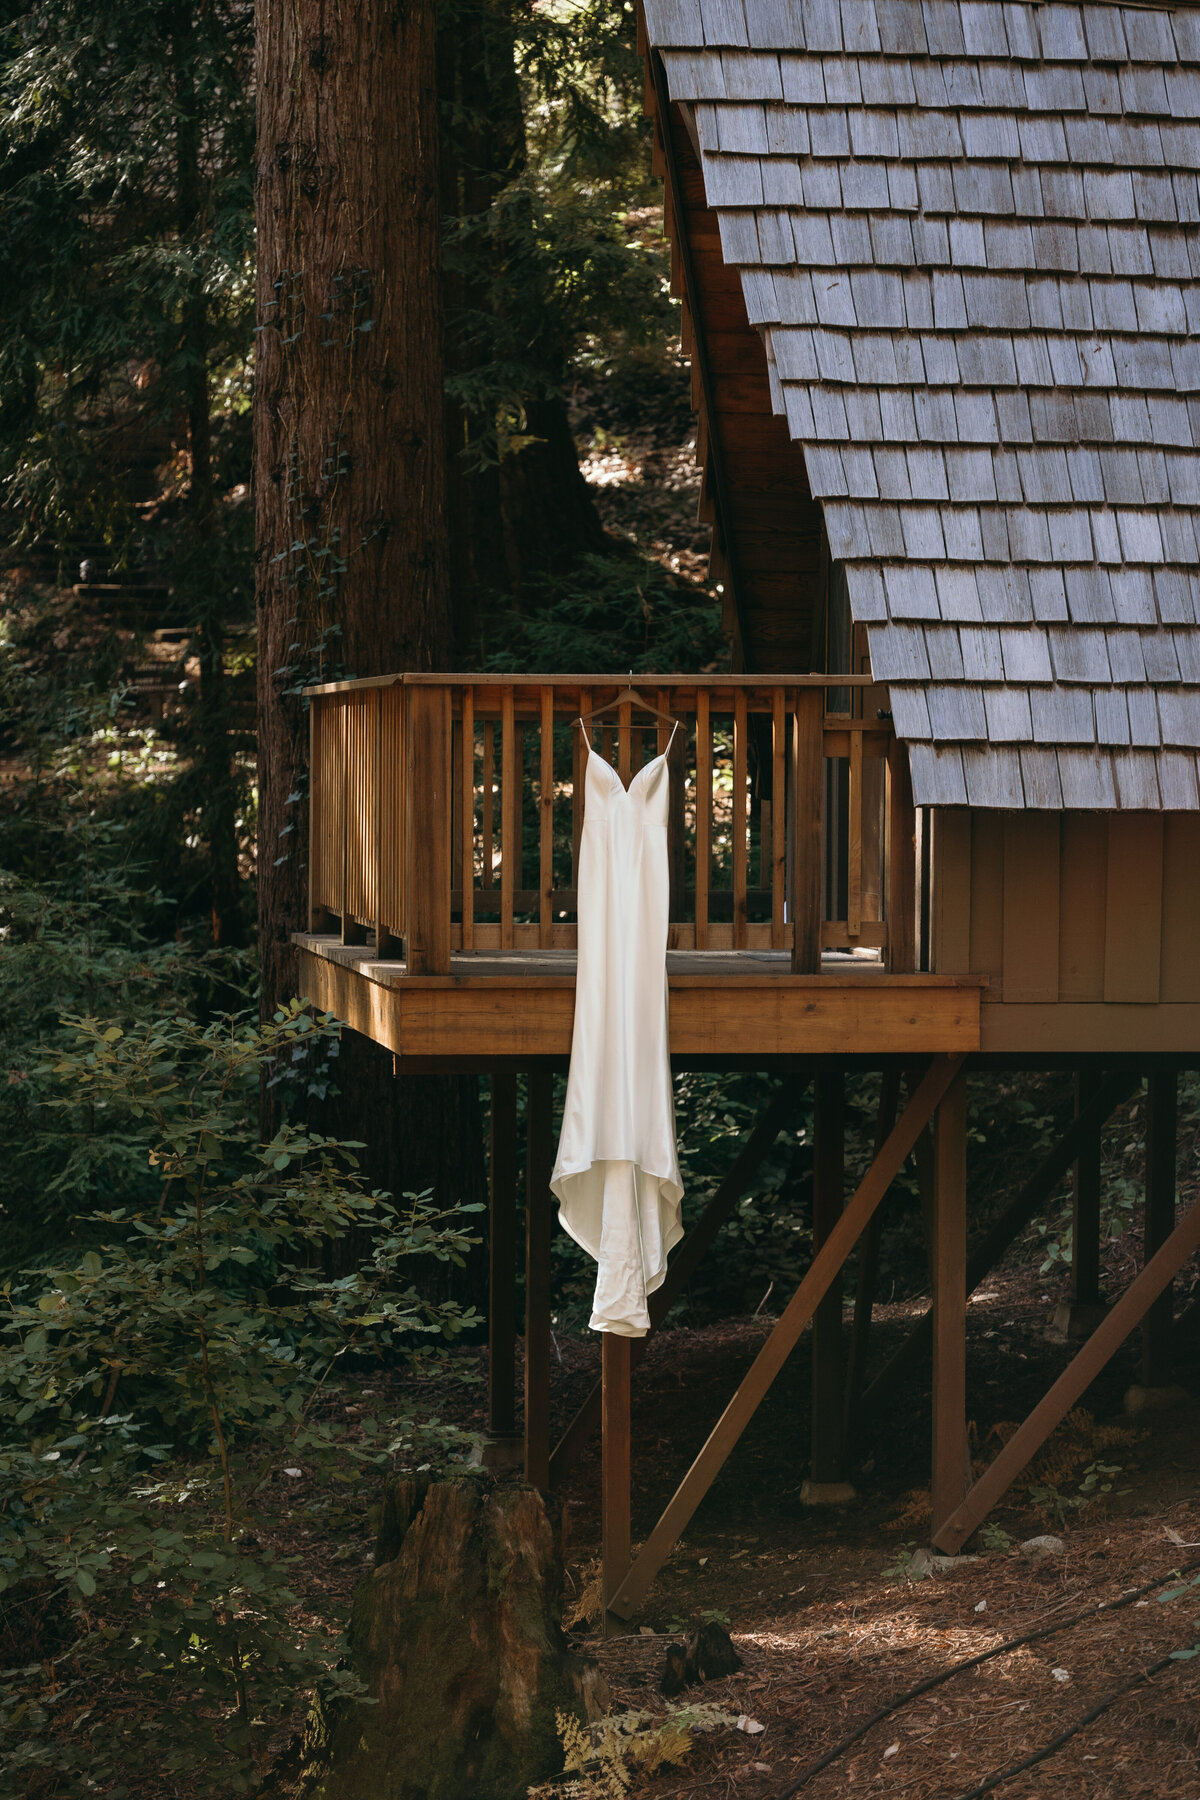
{"x":199,"y":1326}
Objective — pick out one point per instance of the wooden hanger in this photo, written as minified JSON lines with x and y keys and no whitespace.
{"x":630,"y":697}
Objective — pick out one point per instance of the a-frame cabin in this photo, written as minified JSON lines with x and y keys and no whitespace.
{"x":940,"y":270}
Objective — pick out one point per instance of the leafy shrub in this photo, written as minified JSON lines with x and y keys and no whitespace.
{"x":610,"y":613}
{"x":151,"y":1391}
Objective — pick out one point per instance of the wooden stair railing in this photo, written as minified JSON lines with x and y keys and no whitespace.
{"x":446,"y":813}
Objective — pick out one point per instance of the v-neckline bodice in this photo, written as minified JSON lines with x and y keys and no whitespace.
{"x":604,"y":764}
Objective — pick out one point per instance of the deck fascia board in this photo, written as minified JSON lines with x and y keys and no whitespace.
{"x":495,"y":1018}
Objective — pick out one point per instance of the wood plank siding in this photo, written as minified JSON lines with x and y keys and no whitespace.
{"x":1086,"y":926}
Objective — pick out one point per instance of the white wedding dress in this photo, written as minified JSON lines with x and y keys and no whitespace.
{"x":617,"y":1173}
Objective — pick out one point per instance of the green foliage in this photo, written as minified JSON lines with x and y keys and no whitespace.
{"x":994,"y":1539}
{"x":1096,"y":1484}
{"x":548,"y":260}
{"x":904,"y":1570}
{"x":609,"y":613}
{"x":154,"y":1389}
{"x":89,"y":810}
{"x":125,"y":194}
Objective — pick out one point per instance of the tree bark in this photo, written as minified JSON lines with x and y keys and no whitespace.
{"x":350,"y":472}
{"x":349,"y":448}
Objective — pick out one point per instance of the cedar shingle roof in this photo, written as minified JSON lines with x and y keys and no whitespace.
{"x":969,"y":233}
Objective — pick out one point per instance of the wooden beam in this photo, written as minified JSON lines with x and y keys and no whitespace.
{"x":951,"y":1456}
{"x":1072,"y":1384}
{"x":827,"y":1456}
{"x":996,"y":1240}
{"x":616,"y":1467}
{"x":1161,"y":1119}
{"x":539,"y":1160}
{"x":522,"y":684}
{"x":502,"y":1260}
{"x":486,"y":1019}
{"x":686,"y":1261}
{"x":784,"y":1336}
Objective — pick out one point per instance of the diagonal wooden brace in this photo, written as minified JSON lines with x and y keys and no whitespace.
{"x":784,"y":1336}
{"x":1112,"y":1092}
{"x":1075,"y":1379}
{"x":684,"y":1264}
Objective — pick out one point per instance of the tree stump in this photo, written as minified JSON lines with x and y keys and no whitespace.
{"x":457,"y":1637}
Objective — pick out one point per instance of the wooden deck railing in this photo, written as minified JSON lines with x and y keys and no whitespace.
{"x":446,"y":813}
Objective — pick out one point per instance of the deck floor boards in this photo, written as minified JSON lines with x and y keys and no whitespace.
{"x":560,"y":964}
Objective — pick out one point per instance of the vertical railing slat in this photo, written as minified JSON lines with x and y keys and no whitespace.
{"x":546,"y":820}
{"x":671,"y":743}
{"x":778,"y":819}
{"x":808,"y":787}
{"x":378,"y":822}
{"x":900,"y":865}
{"x":739,"y":820}
{"x":428,"y":908}
{"x":316,"y":808}
{"x":488,"y":799}
{"x":349,"y":800}
{"x":509,"y":813}
{"x":854,"y":827}
{"x":624,"y":746}
{"x":580,"y":737}
{"x":457,"y":753}
{"x":467,"y":819}
{"x":704,"y":806}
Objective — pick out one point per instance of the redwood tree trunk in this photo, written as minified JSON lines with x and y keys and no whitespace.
{"x":349,"y":452}
{"x":352,"y":569}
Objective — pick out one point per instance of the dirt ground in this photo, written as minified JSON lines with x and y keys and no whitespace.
{"x":828,"y":1635}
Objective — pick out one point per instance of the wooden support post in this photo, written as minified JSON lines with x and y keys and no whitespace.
{"x":868,"y":1268}
{"x":784,"y":1336}
{"x":616,"y":1468}
{"x":808,"y":786}
{"x":1072,"y":1384}
{"x":684,"y":1263}
{"x":951,"y":1455}
{"x":427,"y":913}
{"x":539,"y":1160}
{"x":987,"y":1253}
{"x":1161,"y":1116}
{"x":827,"y":1468}
{"x":503,"y":1445}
